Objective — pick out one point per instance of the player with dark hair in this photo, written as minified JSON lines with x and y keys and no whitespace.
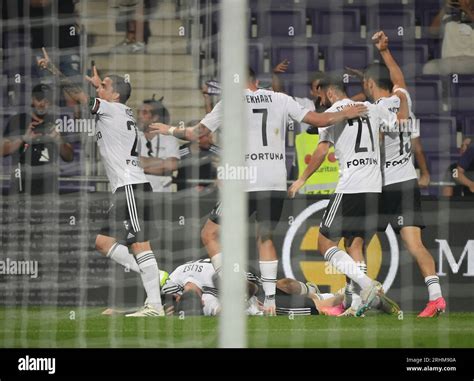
{"x":267,"y":116}
{"x":132,"y":210}
{"x":352,"y":209}
{"x":159,"y":155}
{"x":400,"y":203}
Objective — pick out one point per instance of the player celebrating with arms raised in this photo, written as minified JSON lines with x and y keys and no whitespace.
{"x":400,"y":203}
{"x":117,"y":139}
{"x":267,"y":116}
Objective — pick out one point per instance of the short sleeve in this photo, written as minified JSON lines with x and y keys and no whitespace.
{"x":467,"y":158}
{"x":99,"y":106}
{"x":213,"y":120}
{"x":326,"y":134}
{"x":388,"y":119}
{"x":296,"y":111}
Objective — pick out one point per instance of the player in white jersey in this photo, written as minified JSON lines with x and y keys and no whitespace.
{"x":131,"y":211}
{"x":267,"y":115}
{"x":400,"y":203}
{"x":352,"y":209}
{"x":159,"y":155}
{"x":194,"y":280}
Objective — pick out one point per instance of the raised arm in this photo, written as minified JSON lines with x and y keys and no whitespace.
{"x":329,"y":118}
{"x":74,"y":91}
{"x":317,"y":159}
{"x":277,"y":84}
{"x":396,"y":75}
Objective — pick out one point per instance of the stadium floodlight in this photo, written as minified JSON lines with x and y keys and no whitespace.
{"x":232,"y":330}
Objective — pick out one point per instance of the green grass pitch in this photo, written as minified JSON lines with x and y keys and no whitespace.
{"x":48,"y":327}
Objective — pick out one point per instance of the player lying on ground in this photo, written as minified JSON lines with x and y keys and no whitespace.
{"x":131,"y":211}
{"x":352,"y":209}
{"x":400,"y":202}
{"x":267,"y":115}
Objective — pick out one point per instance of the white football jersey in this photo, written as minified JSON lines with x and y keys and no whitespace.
{"x":117,"y":138}
{"x":267,"y":115}
{"x":198,"y":272}
{"x":309,"y":104}
{"x":357,"y":147}
{"x":398,"y":162}
{"x":162,"y":147}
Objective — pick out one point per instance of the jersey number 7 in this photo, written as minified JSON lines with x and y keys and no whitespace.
{"x":264,"y":113}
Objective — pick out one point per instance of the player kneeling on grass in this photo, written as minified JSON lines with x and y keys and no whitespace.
{"x":267,"y":114}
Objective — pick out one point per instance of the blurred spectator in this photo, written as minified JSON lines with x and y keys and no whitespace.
{"x":198,"y":162}
{"x":65,"y":36}
{"x":35,"y":145}
{"x":137,"y":29}
{"x":457,"y":55}
{"x":313,"y":102}
{"x":159,"y":153}
{"x":462,"y":172}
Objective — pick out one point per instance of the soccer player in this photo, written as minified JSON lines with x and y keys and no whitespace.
{"x":117,"y":139}
{"x":352,"y":209}
{"x":400,"y":202}
{"x":267,"y":117}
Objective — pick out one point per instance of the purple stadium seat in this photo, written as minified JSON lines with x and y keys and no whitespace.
{"x":462,"y":95}
{"x":468,"y":127}
{"x":303,"y":58}
{"x":255,"y":56}
{"x":282,"y":23}
{"x":438,"y":134}
{"x":337,"y":57}
{"x":411,"y":58}
{"x":426,"y":97}
{"x":298,"y":89}
{"x":390,"y":19}
{"x":332,"y":21}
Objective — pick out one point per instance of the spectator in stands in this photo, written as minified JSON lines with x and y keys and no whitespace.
{"x":462,"y":172}
{"x":457,"y":55}
{"x":137,"y":29}
{"x":312,"y":102}
{"x":198,"y":162}
{"x":35,"y":145}
{"x":159,"y":153}
{"x":65,"y":36}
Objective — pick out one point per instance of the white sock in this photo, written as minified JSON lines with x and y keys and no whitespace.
{"x":303,"y":288}
{"x":268,"y":271}
{"x":326,"y":296}
{"x":346,"y":265}
{"x":150,"y":277}
{"x":355,"y":303}
{"x":348,"y":294}
{"x":434,"y":289}
{"x":119,"y":253}
{"x":216,"y":261}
